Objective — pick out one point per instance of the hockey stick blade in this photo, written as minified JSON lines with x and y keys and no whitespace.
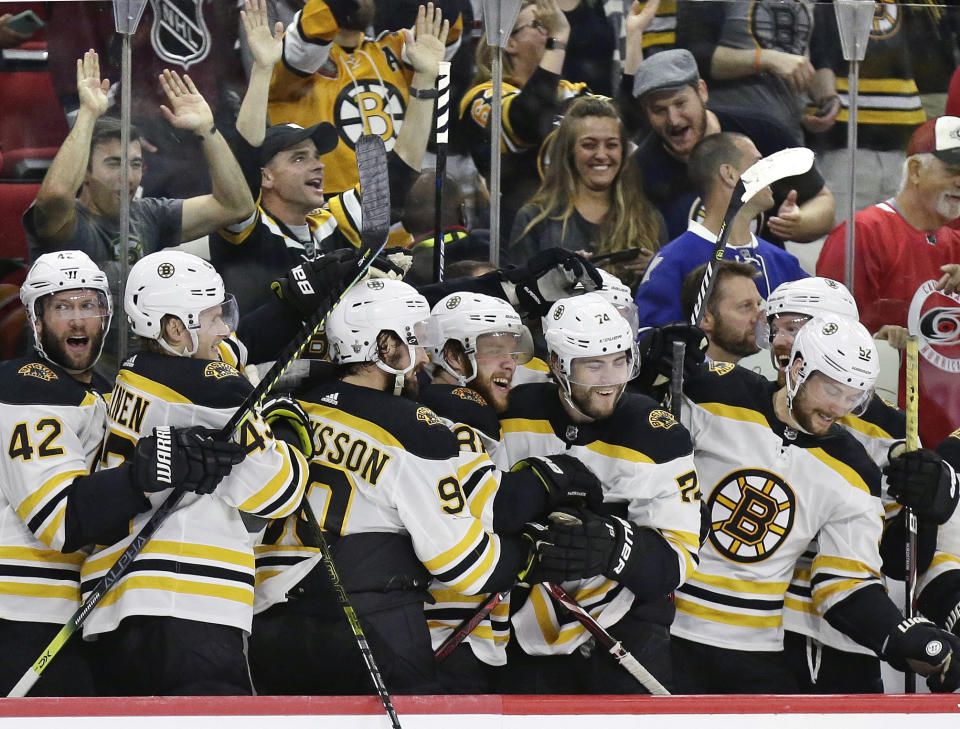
{"x":762,"y":173}
{"x":785,"y":163}
{"x":616,"y":649}
{"x":373,"y":238}
{"x":374,"y":191}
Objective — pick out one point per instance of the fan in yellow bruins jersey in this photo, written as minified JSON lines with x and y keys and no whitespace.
{"x":331,"y":72}
{"x":778,"y":473}
{"x":51,"y":503}
{"x":186,"y":602}
{"x":645,"y":540}
{"x":402,"y":502}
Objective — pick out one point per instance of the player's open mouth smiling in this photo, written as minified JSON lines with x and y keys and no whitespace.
{"x":501,"y":382}
{"x":77,"y":342}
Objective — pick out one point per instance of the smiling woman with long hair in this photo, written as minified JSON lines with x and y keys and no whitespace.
{"x":591,"y":198}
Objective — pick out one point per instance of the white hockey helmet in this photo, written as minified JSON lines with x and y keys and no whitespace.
{"x":474,"y":320}
{"x":176,"y":283}
{"x":618,"y":293}
{"x":64,"y":271}
{"x":807,"y":297}
{"x":373,"y":306}
{"x":587,"y":326}
{"x":839,"y":348}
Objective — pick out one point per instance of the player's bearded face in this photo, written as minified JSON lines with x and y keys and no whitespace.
{"x":72,"y":328}
{"x":821,"y":401}
{"x":596,"y":383}
{"x":494,"y":376}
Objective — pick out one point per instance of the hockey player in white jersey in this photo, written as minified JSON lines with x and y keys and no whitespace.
{"x":825,"y":660}
{"x":187,"y":599}
{"x":400,"y":501}
{"x":777,"y":472}
{"x":644,"y":540}
{"x":479,"y":343}
{"x":52,"y":503}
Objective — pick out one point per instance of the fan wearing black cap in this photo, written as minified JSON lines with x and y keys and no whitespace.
{"x":293,"y":221}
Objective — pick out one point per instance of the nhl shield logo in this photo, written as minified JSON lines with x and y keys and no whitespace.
{"x":179,"y":34}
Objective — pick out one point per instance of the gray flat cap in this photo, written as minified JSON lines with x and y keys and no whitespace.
{"x":665,"y":71}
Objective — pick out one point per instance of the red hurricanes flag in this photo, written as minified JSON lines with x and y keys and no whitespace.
{"x":935,"y":318}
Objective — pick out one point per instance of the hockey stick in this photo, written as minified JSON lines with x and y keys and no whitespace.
{"x":327,"y":556}
{"x":467,"y":626}
{"x":620,"y":654}
{"x":911,"y":444}
{"x":785,"y":163}
{"x":375,"y":207}
{"x":443,"y":123}
{"x":676,"y":378}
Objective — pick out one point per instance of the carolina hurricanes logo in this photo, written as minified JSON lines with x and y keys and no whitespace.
{"x":937,"y":324}
{"x":369,"y":106}
{"x":179,"y":33}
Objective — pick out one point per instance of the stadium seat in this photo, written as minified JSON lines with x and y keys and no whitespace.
{"x":32,"y":125}
{"x":15,"y":198}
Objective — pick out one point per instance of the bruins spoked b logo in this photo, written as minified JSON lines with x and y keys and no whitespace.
{"x":369,"y":107}
{"x":751,"y":514}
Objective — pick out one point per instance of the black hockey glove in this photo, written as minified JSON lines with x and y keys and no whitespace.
{"x":580,"y":544}
{"x":567,"y":480}
{"x":531,"y":573}
{"x":289,"y":422}
{"x":316,"y":284}
{"x":922,"y":481}
{"x":548,"y":276}
{"x":655,"y":345}
{"x":918,"y":645}
{"x":189,"y":458}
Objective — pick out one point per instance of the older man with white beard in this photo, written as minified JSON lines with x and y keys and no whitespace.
{"x":907,"y":256}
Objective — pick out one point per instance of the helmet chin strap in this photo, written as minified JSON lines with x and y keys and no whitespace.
{"x":461,"y":379}
{"x":791,"y":394}
{"x":566,"y":395}
{"x":185,"y":353}
{"x":399,"y":375}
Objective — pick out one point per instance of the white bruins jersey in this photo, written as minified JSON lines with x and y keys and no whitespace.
{"x":643,"y":459}
{"x":477,"y":429}
{"x":876,"y":430}
{"x":51,"y":427}
{"x":199,"y":565}
{"x":770,"y":491}
{"x":386,"y":464}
